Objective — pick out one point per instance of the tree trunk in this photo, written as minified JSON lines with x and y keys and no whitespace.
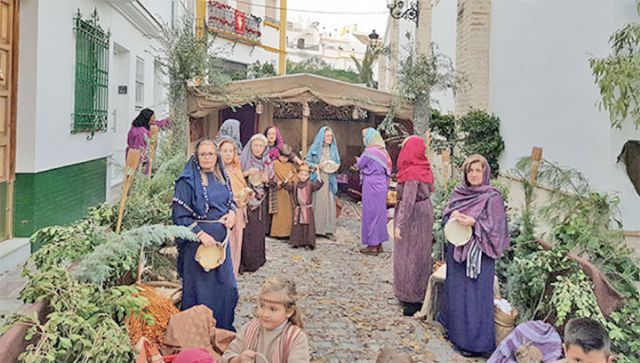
{"x":421,"y":115}
{"x":180,"y":124}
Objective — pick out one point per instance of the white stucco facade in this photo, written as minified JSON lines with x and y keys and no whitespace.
{"x":47,"y":83}
{"x":544,"y":93}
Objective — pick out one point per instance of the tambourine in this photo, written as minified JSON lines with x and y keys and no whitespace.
{"x":330,"y":166}
{"x":244,"y":197}
{"x":255,"y":179}
{"x":211,"y":257}
{"x":456,"y":233}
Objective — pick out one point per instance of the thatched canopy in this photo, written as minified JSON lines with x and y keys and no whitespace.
{"x":297,"y":88}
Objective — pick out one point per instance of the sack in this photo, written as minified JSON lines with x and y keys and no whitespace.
{"x":505,"y":323}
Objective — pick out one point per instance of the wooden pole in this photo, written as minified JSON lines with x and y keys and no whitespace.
{"x":152,"y":147}
{"x":306,"y":112}
{"x":536,"y":157}
{"x":133,"y":159}
{"x":446,"y":155}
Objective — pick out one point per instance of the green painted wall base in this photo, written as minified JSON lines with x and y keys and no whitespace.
{"x":58,"y":196}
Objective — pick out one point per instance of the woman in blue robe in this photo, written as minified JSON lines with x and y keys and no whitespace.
{"x":202,"y":196}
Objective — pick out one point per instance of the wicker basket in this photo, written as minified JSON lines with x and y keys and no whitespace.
{"x":505,"y":323}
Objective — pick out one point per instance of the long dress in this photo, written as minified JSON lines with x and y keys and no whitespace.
{"x":324,"y":202}
{"x":253,"y":254}
{"x":374,"y":198}
{"x":412,"y":252}
{"x":304,"y":229}
{"x":467,"y":311}
{"x":236,"y":238}
{"x":281,"y":222}
{"x":217,"y":289}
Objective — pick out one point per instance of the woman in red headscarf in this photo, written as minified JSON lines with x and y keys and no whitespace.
{"x":413,"y":226}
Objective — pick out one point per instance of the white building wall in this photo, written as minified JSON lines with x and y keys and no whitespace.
{"x":47,"y":86}
{"x":443,"y":34}
{"x":544,"y":93}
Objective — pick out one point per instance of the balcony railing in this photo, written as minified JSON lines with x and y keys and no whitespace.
{"x":222,"y":17}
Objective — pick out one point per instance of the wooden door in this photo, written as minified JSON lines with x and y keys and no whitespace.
{"x":8,"y":87}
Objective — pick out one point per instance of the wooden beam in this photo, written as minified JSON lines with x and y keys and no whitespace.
{"x":306,"y":112}
{"x":446,"y":163}
{"x":152,"y":147}
{"x":536,"y":157}
{"x":133,"y":159}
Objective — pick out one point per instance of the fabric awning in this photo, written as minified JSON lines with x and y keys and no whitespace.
{"x":298,"y":88}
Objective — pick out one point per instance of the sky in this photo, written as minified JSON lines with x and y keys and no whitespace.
{"x":367,"y":14}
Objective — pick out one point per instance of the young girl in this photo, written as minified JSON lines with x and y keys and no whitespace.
{"x":282,"y":218}
{"x":277,"y":333}
{"x":304,"y":228}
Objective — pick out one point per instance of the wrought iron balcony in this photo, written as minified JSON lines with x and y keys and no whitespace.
{"x":224,"y":19}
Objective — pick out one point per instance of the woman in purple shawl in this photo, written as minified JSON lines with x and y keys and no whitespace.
{"x":375,"y":169}
{"x":467,"y":310}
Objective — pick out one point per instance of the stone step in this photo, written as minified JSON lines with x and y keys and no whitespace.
{"x":13,"y":252}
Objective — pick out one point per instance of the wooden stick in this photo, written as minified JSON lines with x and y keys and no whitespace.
{"x":536,"y":157}
{"x":152,"y":146}
{"x":306,"y":112}
{"x":133,"y":159}
{"x":446,"y":155}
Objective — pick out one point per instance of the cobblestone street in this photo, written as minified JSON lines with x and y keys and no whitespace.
{"x":347,"y":300}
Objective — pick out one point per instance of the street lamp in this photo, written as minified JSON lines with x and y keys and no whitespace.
{"x":374,"y":44}
{"x":397,"y":12}
{"x":374,"y":39}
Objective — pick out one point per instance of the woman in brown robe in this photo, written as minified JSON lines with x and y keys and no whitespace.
{"x":413,"y":226}
{"x":283,"y":217}
{"x":304,"y":227}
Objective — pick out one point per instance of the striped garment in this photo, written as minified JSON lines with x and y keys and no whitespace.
{"x":283,"y":344}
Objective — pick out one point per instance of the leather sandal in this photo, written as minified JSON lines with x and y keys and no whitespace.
{"x":369,"y":251}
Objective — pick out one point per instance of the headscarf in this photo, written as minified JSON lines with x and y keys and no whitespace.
{"x":262,"y":163}
{"x":485,"y":204}
{"x":248,"y":160}
{"x":230,"y":129}
{"x":373,"y":138}
{"x":274,"y":151}
{"x":413,"y":163}
{"x":375,"y":149}
{"x":234,"y":171}
{"x":192,"y":174}
{"x":315,"y":152}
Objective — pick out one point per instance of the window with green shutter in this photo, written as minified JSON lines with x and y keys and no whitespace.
{"x":92,"y":75}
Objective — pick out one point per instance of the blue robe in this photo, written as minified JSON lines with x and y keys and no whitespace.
{"x":217,"y":289}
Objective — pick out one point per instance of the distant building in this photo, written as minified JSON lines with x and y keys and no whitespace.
{"x":307,"y":40}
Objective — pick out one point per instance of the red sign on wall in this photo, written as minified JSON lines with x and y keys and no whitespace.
{"x":240,"y":21}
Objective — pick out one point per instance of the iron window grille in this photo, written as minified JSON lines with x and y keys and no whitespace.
{"x":92,"y":75}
